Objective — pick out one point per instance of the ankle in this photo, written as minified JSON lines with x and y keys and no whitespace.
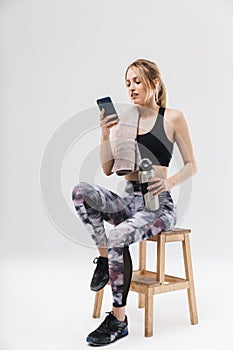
{"x":121,"y":319}
{"x":103,"y":252}
{"x":119,"y":314}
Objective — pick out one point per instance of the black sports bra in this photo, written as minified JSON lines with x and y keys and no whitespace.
{"x":154,"y":144}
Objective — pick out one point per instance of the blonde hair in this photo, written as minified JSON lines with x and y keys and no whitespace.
{"x":149,"y":71}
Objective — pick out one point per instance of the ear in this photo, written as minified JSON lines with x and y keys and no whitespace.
{"x":156,"y":82}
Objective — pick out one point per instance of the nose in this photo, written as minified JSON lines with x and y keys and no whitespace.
{"x":132,"y":88}
{"x":132,"y":85}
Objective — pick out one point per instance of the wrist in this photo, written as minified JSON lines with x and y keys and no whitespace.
{"x":170,"y":184}
{"x":105,"y":137}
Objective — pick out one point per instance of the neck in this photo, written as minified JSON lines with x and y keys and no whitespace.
{"x":148,"y":110}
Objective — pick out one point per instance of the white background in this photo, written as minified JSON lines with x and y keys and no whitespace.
{"x":57,"y":57}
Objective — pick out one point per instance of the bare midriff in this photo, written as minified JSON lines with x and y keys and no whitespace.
{"x":160,"y":171}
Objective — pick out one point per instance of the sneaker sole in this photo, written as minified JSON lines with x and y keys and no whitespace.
{"x":99,"y":287}
{"x":123,"y":334}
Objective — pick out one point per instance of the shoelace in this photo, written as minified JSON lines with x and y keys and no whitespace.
{"x":110,"y":313}
{"x":107,"y":321}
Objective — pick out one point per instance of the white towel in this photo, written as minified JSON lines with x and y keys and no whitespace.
{"x":126,"y":152}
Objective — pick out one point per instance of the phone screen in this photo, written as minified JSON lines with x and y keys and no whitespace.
{"x":106,"y":103}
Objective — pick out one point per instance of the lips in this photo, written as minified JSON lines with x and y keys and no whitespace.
{"x":134,"y":95}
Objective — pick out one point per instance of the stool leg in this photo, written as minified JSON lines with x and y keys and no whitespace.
{"x":160,"y":258}
{"x":141,"y":300}
{"x":98,"y":303}
{"x":149,"y":312}
{"x":142,"y":266}
{"x":189,"y":277}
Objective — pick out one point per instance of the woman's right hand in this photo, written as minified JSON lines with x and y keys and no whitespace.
{"x":105,"y":124}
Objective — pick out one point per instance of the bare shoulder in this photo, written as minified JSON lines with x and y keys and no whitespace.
{"x":173,"y":115}
{"x":176,"y":120}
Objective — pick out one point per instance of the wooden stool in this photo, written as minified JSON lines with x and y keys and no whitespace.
{"x":147,"y":283}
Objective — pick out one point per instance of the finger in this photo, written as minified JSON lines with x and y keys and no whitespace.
{"x":154,"y":183}
{"x":156,"y":190}
{"x":155,"y":186}
{"x":102,"y":113}
{"x":107,"y":125}
{"x":112,"y":122}
{"x":111,"y":116}
{"x":154,"y":180}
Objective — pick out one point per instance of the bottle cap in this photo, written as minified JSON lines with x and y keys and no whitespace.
{"x":145,"y":164}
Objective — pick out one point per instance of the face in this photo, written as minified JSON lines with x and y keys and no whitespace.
{"x":135,"y":89}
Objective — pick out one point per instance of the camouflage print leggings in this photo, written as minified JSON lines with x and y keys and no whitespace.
{"x":94,"y":204}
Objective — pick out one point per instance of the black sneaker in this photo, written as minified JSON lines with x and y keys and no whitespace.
{"x":110,"y":330}
{"x":101,"y":275}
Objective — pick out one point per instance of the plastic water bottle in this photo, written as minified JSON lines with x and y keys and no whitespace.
{"x":146,"y":172}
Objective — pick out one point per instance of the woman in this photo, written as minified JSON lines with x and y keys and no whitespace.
{"x":132,"y":222}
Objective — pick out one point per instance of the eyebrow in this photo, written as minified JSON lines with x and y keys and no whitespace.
{"x":133,"y":78}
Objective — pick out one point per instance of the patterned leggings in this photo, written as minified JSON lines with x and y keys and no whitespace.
{"x":94,"y":204}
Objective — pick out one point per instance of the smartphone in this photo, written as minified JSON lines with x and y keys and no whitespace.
{"x":107,"y":104}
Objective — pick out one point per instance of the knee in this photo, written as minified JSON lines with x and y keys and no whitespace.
{"x":79,"y":191}
{"x":87,"y":194}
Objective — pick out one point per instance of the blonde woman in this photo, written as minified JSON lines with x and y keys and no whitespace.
{"x":132,"y":223}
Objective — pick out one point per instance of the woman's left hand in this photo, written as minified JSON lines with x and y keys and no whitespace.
{"x":158,"y":185}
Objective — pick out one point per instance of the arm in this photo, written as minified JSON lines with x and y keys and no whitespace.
{"x":106,"y":146}
{"x":184,"y":143}
{"x":106,"y":155}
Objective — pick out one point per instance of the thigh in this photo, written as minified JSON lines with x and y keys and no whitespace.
{"x":113,"y":208}
{"x":142,"y":225}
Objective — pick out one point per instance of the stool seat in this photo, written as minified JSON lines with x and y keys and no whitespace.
{"x":175,"y":235}
{"x":148,"y":283}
